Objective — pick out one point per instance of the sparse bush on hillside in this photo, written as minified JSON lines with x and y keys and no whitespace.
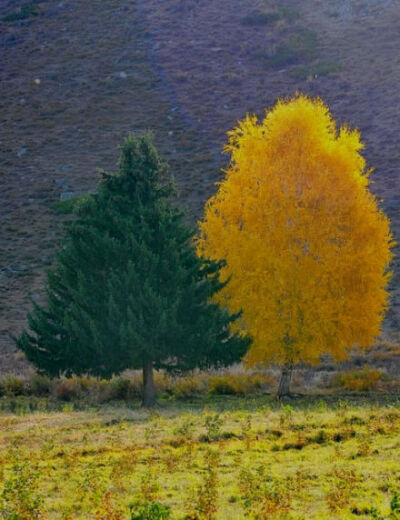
{"x":267,"y":17}
{"x":300,"y":46}
{"x":289,"y":13}
{"x":317,"y":69}
{"x":26,"y":11}
{"x":261,"y":18}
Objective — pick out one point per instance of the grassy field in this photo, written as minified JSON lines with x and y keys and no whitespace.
{"x":222,"y":458}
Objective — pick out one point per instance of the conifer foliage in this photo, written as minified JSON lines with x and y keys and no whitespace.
{"x":127,"y":289}
{"x":306,"y":245}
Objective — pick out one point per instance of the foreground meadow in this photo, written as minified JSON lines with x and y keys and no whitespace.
{"x":223,"y":458}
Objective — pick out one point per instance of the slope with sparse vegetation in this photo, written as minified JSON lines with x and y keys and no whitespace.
{"x":77,"y":76}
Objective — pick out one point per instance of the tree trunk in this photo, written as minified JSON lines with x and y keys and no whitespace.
{"x":284,"y":383}
{"x":149,"y":394}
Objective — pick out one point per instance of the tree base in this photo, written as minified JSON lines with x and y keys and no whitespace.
{"x":284,"y":383}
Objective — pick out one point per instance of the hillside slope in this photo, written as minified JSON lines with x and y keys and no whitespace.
{"x":77,"y":76}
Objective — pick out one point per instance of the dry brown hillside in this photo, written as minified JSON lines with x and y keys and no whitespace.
{"x":76,"y":76}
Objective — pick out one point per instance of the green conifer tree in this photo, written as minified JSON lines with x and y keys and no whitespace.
{"x":127,"y":289}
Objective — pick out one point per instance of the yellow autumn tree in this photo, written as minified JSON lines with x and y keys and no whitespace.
{"x":306,"y":246}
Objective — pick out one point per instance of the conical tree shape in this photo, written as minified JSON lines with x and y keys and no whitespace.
{"x":306,"y":246}
{"x":127,"y":289}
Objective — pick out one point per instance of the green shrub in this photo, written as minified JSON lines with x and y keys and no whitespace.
{"x":213,"y":424}
{"x":150,"y":511}
{"x":261,"y":18}
{"x":289,"y":13}
{"x":258,"y":17}
{"x":317,"y":69}
{"x":301,"y":45}
{"x":26,"y":11}
{"x":324,"y":67}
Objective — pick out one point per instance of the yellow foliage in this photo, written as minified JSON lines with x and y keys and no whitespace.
{"x":306,"y":246}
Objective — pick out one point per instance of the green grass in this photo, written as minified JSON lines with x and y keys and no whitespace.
{"x":240,"y":457}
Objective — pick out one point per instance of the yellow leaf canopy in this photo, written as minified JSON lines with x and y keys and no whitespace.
{"x":306,"y":246}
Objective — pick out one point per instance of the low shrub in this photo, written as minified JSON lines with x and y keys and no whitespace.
{"x":363,"y":380}
{"x":26,"y":11}
{"x":206,"y":505}
{"x":39,"y":385}
{"x":269,"y":17}
{"x":261,"y":18}
{"x":223,"y":385}
{"x":150,"y":511}
{"x":186,"y":387}
{"x":301,"y":45}
{"x":12,"y":386}
{"x":239,"y":384}
{"x":119,"y":388}
{"x":95,"y":390}
{"x":107,"y":510}
{"x":262,"y":496}
{"x":317,"y":69}
{"x":289,"y":13}
{"x":67,"y":389}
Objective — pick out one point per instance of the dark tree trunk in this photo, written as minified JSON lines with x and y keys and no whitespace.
{"x":149,"y":394}
{"x":284,"y":383}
